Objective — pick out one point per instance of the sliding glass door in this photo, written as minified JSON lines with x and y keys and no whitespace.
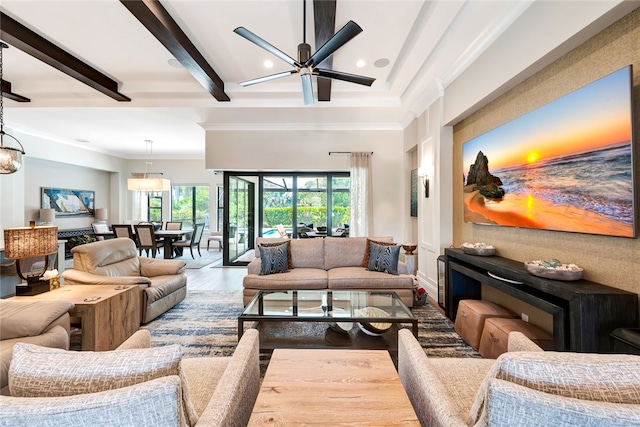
{"x":314,"y":201}
{"x":238,"y":219}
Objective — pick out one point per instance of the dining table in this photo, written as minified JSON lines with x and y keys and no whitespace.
{"x":168,"y":237}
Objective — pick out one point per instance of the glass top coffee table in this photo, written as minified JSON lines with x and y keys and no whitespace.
{"x":321,"y":318}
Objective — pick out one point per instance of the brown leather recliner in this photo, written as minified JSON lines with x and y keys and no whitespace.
{"x":163,"y":282}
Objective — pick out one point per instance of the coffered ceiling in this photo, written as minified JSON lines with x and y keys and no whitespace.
{"x":413,"y":49}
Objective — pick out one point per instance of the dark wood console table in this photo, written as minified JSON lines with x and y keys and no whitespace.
{"x":67,"y":234}
{"x":584,"y":312}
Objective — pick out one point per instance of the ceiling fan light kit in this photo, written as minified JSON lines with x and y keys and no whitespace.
{"x":305,"y":65}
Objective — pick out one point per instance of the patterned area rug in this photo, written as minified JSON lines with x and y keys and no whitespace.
{"x":206,"y":324}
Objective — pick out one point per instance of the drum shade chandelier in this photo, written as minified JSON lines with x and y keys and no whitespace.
{"x":148,"y":181}
{"x":10,"y":157}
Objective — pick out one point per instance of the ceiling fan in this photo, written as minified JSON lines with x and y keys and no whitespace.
{"x":306,"y":64}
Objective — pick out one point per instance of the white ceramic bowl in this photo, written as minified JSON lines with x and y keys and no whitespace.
{"x":553,"y":273}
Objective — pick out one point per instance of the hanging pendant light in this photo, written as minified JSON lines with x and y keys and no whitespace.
{"x":10,"y":157}
{"x":148,"y":181}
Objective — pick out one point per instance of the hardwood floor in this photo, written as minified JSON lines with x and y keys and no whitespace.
{"x":217,"y":278}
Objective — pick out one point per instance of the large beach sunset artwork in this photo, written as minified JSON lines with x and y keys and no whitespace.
{"x":566,"y":166}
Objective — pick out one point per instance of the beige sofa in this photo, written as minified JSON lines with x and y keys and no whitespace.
{"x":333,"y":263}
{"x":134,"y":385}
{"x":45,"y":323}
{"x":523,"y":387}
{"x":162,"y":282}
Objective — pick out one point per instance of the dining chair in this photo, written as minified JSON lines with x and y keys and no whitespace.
{"x":194,"y":240}
{"x":100,"y":227}
{"x":147,"y":239}
{"x":173,"y":225}
{"x":123,"y":230}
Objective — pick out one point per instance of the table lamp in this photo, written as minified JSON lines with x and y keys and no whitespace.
{"x":31,"y":242}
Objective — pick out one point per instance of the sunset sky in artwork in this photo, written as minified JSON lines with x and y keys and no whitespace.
{"x":594,"y":116}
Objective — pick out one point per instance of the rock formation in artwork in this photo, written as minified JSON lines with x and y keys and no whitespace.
{"x":480,"y":177}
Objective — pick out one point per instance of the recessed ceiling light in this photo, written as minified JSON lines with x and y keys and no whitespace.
{"x":360,"y":63}
{"x":381,"y":63}
{"x":175,"y":63}
{"x":268,"y":63}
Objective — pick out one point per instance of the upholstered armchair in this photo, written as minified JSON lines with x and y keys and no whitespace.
{"x":162,"y":282}
{"x":525,"y":387}
{"x":45,"y":323}
{"x":133,"y":385}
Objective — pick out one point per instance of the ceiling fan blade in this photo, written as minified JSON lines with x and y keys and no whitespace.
{"x":307,"y":89}
{"x":339,"y":39}
{"x":267,"y":78}
{"x":338,"y":75}
{"x":253,"y":38}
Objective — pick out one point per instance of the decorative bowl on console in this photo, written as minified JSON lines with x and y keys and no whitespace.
{"x":482,"y":249}
{"x":409,"y":248}
{"x":554,"y":269}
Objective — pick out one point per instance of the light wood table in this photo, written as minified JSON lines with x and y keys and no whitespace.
{"x":106,"y":322}
{"x":332,"y":387}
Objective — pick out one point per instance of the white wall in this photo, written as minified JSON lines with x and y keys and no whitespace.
{"x":50,"y":163}
{"x":45,"y":173}
{"x":301,"y":150}
{"x":180,"y":173}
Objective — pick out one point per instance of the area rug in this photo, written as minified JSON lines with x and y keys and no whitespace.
{"x":205,"y":323}
{"x":208,"y":258}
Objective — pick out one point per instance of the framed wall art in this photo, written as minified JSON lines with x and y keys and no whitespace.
{"x":69,"y":202}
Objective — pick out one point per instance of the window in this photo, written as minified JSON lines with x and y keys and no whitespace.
{"x":340,"y":201}
{"x":304,"y":198}
{"x":277,"y":204}
{"x":154,"y":209}
{"x":190,"y":204}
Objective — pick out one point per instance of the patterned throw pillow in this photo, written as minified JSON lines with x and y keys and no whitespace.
{"x":274,"y":259}
{"x":289,"y":259}
{"x":367,"y":250}
{"x":384,"y":258}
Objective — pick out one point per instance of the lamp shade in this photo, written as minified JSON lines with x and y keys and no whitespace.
{"x":47,"y":215}
{"x":101,"y":214}
{"x":28,"y":242}
{"x":149,"y":184}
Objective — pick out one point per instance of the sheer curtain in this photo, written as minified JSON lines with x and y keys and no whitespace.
{"x":361,"y":195}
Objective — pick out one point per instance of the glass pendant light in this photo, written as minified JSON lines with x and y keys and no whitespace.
{"x":10,"y":157}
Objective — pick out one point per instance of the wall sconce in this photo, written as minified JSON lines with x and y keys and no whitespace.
{"x":423,"y":172}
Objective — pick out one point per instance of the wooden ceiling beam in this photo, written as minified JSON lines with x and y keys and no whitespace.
{"x":17,"y":35}
{"x":6,"y":93}
{"x":157,"y":20}
{"x":324,"y":15}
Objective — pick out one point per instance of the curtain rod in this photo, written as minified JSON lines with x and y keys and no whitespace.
{"x":343,"y":152}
